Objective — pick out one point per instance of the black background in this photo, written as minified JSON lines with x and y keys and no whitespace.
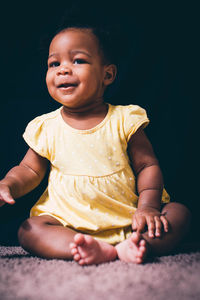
{"x":159,"y":72}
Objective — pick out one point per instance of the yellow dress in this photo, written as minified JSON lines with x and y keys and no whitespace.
{"x":91,"y":186}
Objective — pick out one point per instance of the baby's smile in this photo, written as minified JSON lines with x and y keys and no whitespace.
{"x":67,"y":85}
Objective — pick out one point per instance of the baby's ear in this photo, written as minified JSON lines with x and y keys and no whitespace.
{"x":110,"y":74}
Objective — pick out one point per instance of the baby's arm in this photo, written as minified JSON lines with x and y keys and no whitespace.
{"x":23,"y":178}
{"x":149,"y":185}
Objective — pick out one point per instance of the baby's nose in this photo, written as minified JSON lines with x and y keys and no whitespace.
{"x":63,"y":70}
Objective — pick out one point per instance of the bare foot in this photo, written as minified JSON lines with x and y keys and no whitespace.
{"x":86,"y":250}
{"x":134,"y":249}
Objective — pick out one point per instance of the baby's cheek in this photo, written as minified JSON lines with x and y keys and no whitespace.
{"x":52,"y":91}
{"x":93,"y":84}
{"x":49,"y":77}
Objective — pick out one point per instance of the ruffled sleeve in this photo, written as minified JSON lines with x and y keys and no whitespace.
{"x":135,"y":117}
{"x":35,"y":136}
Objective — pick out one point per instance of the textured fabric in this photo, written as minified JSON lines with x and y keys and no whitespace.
{"x":25,"y":277}
{"x":91,"y":184}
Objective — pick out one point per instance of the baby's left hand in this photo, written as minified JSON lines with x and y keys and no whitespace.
{"x":152,"y":218}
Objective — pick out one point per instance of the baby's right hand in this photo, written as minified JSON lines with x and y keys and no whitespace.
{"x":5,"y":195}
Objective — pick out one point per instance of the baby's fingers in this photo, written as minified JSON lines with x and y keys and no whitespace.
{"x":165,"y":223}
{"x":158,"y":224}
{"x":151,"y":227}
{"x":139,"y":223}
{"x":6,"y":198}
{"x":2,"y":202}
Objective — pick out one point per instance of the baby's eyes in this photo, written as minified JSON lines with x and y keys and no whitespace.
{"x":79,"y":61}
{"x":54,"y":64}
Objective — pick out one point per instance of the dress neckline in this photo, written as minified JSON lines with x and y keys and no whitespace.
{"x":86,"y":131}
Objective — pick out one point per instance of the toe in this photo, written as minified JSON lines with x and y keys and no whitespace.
{"x":135,"y":238}
{"x":74,"y":251}
{"x":79,"y":239}
{"x":139,"y":260}
{"x":142,"y":255}
{"x":77,"y":257}
{"x":81,"y":262}
{"x":72,"y":245}
{"x":142,"y":243}
{"x":89,"y":240}
{"x":142,"y":251}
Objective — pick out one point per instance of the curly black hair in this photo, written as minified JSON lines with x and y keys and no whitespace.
{"x":109,"y":34}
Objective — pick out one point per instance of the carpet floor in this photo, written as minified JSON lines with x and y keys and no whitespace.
{"x":25,"y":277}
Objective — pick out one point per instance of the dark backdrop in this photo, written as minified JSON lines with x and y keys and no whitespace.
{"x":158,"y":72}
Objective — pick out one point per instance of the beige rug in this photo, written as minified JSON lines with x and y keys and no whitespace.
{"x":24,"y":277}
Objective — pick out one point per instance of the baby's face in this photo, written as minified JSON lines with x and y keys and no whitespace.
{"x":76,"y":73}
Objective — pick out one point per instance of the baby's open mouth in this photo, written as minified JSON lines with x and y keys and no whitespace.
{"x":66,"y":85}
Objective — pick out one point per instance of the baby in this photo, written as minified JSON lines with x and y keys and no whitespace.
{"x":105,"y":198}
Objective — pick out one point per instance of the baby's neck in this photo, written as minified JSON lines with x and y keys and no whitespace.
{"x":84,"y":118}
{"x":84,"y":111}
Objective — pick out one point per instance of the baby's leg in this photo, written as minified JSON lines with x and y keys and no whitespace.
{"x":46,"y":237}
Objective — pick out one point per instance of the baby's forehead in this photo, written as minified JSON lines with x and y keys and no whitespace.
{"x":75,"y":37}
{"x":69,"y":39}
